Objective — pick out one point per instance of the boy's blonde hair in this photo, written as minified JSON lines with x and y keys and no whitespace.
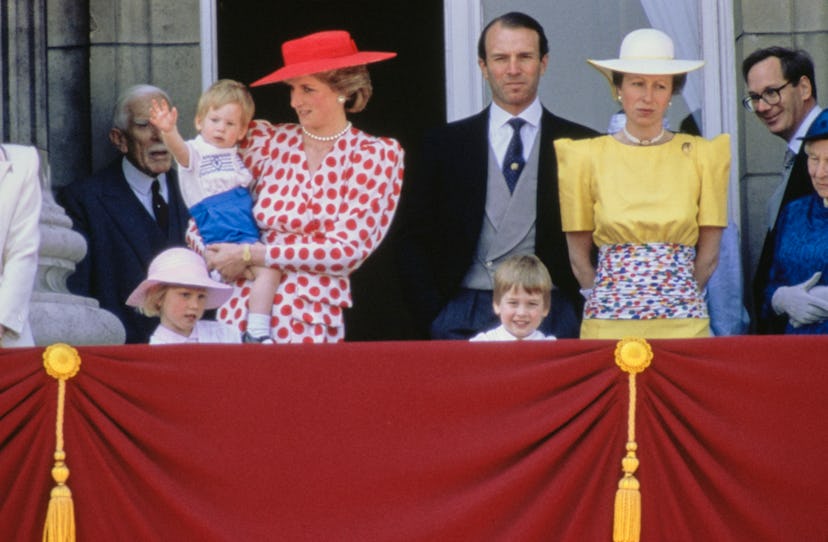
{"x":525,"y":271}
{"x":223,"y":92}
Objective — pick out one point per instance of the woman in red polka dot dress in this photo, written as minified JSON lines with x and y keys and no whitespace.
{"x":325,"y":193}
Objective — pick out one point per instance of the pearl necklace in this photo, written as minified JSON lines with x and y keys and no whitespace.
{"x":643,"y":142}
{"x":327,"y":138}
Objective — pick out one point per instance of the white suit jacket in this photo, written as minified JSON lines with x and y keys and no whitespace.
{"x":20,"y":201}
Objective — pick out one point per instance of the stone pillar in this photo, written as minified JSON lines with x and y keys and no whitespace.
{"x":55,"y":314}
{"x":23,"y":110}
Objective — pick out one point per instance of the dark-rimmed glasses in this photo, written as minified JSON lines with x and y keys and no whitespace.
{"x":770,"y":96}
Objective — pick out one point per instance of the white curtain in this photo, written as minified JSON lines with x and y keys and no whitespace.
{"x":680,"y":20}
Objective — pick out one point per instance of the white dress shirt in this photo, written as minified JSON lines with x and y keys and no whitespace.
{"x":500,"y":132}
{"x":501,"y":334}
{"x":141,"y":185}
{"x":205,"y":331}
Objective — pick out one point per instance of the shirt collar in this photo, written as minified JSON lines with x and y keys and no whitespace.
{"x":139,"y":181}
{"x":166,"y":335}
{"x":795,"y":143}
{"x":532,"y":114}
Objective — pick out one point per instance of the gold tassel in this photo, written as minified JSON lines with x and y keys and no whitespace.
{"x":61,"y":362}
{"x":627,"y":524}
{"x":632,"y":355}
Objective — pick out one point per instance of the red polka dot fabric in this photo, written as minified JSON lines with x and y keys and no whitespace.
{"x":318,"y":228}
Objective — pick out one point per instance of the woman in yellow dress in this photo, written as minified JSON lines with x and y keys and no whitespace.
{"x":654,"y":202}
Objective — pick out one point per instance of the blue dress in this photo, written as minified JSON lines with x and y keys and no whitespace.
{"x":801,"y":249}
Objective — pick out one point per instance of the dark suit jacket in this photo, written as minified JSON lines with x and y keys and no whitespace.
{"x":799,"y":184}
{"x":122,"y":239}
{"x":443,"y":207}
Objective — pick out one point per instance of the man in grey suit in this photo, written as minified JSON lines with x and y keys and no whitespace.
{"x":487,"y":188}
{"x":128,"y":212}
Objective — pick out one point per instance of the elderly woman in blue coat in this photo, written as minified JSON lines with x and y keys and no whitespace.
{"x":798,"y":285}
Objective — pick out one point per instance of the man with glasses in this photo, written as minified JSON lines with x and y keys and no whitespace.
{"x":781,"y":91}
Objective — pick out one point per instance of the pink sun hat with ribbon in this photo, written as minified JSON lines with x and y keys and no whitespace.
{"x":320,"y":52}
{"x":181,"y":267}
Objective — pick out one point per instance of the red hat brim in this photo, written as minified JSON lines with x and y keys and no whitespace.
{"x":318,"y":66}
{"x":320,"y":52}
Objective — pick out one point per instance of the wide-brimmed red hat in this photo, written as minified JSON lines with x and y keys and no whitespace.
{"x":320,"y":52}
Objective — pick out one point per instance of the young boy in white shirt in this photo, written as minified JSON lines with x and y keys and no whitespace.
{"x":521,"y":298}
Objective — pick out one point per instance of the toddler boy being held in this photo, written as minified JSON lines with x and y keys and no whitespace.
{"x":216,"y":185}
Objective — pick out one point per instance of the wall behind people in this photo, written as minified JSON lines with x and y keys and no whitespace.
{"x":800,"y":24}
{"x":140,"y":42}
{"x":409,"y":96}
{"x":60,"y":90}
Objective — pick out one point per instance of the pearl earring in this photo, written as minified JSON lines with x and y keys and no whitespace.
{"x":340,"y":99}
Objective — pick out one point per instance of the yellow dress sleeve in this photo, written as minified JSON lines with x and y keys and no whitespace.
{"x":574,"y":185}
{"x":714,"y":168}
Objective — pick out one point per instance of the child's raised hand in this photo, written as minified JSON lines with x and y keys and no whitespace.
{"x":162,"y":117}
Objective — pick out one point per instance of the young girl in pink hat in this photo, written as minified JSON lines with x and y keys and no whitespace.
{"x":178,"y":290}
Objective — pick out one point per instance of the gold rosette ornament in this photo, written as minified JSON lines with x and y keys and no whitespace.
{"x":62,"y":362}
{"x":632,"y":355}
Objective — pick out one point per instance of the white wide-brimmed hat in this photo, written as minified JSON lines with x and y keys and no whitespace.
{"x":646,"y":51}
{"x":181,"y":267}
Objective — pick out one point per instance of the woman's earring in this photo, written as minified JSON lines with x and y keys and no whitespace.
{"x":670,"y":103}
{"x":618,"y":98}
{"x":340,"y":99}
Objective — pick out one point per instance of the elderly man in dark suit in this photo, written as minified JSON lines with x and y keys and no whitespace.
{"x":128,"y":212}
{"x":781,"y":91}
{"x":487,"y":188}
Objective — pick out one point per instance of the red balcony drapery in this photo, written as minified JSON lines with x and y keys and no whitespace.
{"x":421,"y":441}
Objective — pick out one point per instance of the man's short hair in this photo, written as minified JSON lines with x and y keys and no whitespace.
{"x":514,"y":19}
{"x":795,"y":63}
{"x":525,"y":271}
{"x":121,"y":113}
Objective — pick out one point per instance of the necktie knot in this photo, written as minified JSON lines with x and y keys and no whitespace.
{"x":159,"y":207}
{"x":513,"y":160}
{"x":516,"y":123}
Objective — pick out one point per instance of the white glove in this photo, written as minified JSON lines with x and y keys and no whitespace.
{"x":799,"y":304}
{"x":820,"y":291}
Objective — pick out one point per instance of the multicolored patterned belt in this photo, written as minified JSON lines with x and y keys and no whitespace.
{"x":644,"y":282}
